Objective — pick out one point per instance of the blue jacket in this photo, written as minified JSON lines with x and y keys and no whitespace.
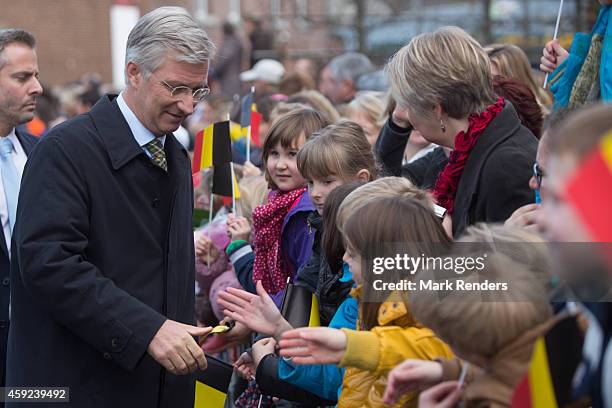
{"x":296,"y":246}
{"x":563,"y":78}
{"x":322,"y":380}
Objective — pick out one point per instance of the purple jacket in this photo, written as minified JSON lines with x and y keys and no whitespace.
{"x":296,"y":246}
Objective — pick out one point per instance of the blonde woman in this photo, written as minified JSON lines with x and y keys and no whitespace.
{"x":367,"y":110}
{"x":511,"y":61}
{"x":443,"y":87}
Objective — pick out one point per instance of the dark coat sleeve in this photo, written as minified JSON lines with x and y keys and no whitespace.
{"x":390,"y":147}
{"x":505,"y":179}
{"x":51,"y":245}
{"x":270,"y":384}
{"x":244,"y":272}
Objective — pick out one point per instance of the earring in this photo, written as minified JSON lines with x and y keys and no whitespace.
{"x":442,"y":126}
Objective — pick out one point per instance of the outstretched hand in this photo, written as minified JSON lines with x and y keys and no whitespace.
{"x":257,"y":312}
{"x":411,"y":375}
{"x":443,"y":395}
{"x":314,"y":345}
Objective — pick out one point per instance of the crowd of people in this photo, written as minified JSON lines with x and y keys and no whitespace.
{"x":452,"y":150}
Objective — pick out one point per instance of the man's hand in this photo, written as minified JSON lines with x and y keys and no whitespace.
{"x":314,"y":345}
{"x":553,"y":55}
{"x":409,"y":376}
{"x":238,"y":228}
{"x":175,"y":348}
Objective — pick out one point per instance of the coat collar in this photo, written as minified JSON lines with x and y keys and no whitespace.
{"x":502,"y":127}
{"x":114,"y":131}
{"x":27,"y":140}
{"x":118,"y":138}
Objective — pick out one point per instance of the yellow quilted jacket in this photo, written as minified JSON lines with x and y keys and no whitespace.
{"x":370,"y":355}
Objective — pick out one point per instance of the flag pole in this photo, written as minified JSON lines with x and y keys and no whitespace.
{"x":210,"y":217}
{"x":233,"y":189}
{"x":555,"y":36}
{"x":248,"y":141}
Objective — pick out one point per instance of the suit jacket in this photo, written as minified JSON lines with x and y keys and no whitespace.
{"x":27,"y":143}
{"x":99,"y":263}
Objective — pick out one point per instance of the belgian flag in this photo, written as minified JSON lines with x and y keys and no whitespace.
{"x":589,"y":190}
{"x":213,"y":147}
{"x":554,"y":360}
{"x":212,"y":384}
{"x":225,"y":182}
{"x":250,"y":119}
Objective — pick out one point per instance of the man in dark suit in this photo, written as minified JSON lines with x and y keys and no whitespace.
{"x":19,"y":88}
{"x":103,"y":263}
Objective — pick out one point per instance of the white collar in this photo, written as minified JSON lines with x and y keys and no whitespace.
{"x":140,"y":132}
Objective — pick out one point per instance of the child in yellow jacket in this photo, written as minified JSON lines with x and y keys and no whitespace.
{"x":387,"y":333}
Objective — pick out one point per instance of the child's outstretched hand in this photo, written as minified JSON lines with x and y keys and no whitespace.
{"x":245,"y":367}
{"x":313,"y":345}
{"x":409,"y":376}
{"x":443,"y":395}
{"x":261,"y":349}
{"x":239,"y":332}
{"x":257,"y":312}
{"x":238,"y":228}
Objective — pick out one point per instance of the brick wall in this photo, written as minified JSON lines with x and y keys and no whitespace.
{"x":74,"y":35}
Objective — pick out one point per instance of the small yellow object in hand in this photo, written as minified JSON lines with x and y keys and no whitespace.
{"x":220,"y":329}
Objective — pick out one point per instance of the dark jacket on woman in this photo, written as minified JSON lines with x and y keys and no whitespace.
{"x":389,"y":150}
{"x":495,"y":180}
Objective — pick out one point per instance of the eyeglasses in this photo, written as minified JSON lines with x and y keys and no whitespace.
{"x":182,"y":91}
{"x":538,"y":174}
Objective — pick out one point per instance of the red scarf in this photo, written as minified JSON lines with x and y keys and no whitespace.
{"x":448,"y":181}
{"x":268,"y":219}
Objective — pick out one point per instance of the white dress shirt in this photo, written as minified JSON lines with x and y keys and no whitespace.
{"x":140,"y":132}
{"x":19,"y":158}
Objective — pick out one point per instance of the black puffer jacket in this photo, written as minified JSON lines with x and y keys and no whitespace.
{"x":320,"y":278}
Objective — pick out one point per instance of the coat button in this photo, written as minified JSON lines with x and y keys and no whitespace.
{"x":155,"y":202}
{"x":6,"y":281}
{"x":114,"y":342}
{"x":4,"y":324}
{"x":107,"y":356}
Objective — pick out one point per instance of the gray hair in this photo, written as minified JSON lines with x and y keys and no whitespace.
{"x":14,"y":35}
{"x":167,"y":29}
{"x":446,"y":67}
{"x":350,"y":66}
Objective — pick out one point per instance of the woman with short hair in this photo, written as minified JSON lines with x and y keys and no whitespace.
{"x":443,"y":86}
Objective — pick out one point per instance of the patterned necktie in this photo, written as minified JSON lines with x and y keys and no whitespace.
{"x":10,"y":179}
{"x":158,"y":155}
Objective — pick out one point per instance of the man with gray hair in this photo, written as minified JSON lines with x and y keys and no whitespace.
{"x":19,"y":88}
{"x":103,"y":265}
{"x":339,"y":78}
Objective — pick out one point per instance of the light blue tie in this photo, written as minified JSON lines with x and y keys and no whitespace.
{"x":10,"y":179}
